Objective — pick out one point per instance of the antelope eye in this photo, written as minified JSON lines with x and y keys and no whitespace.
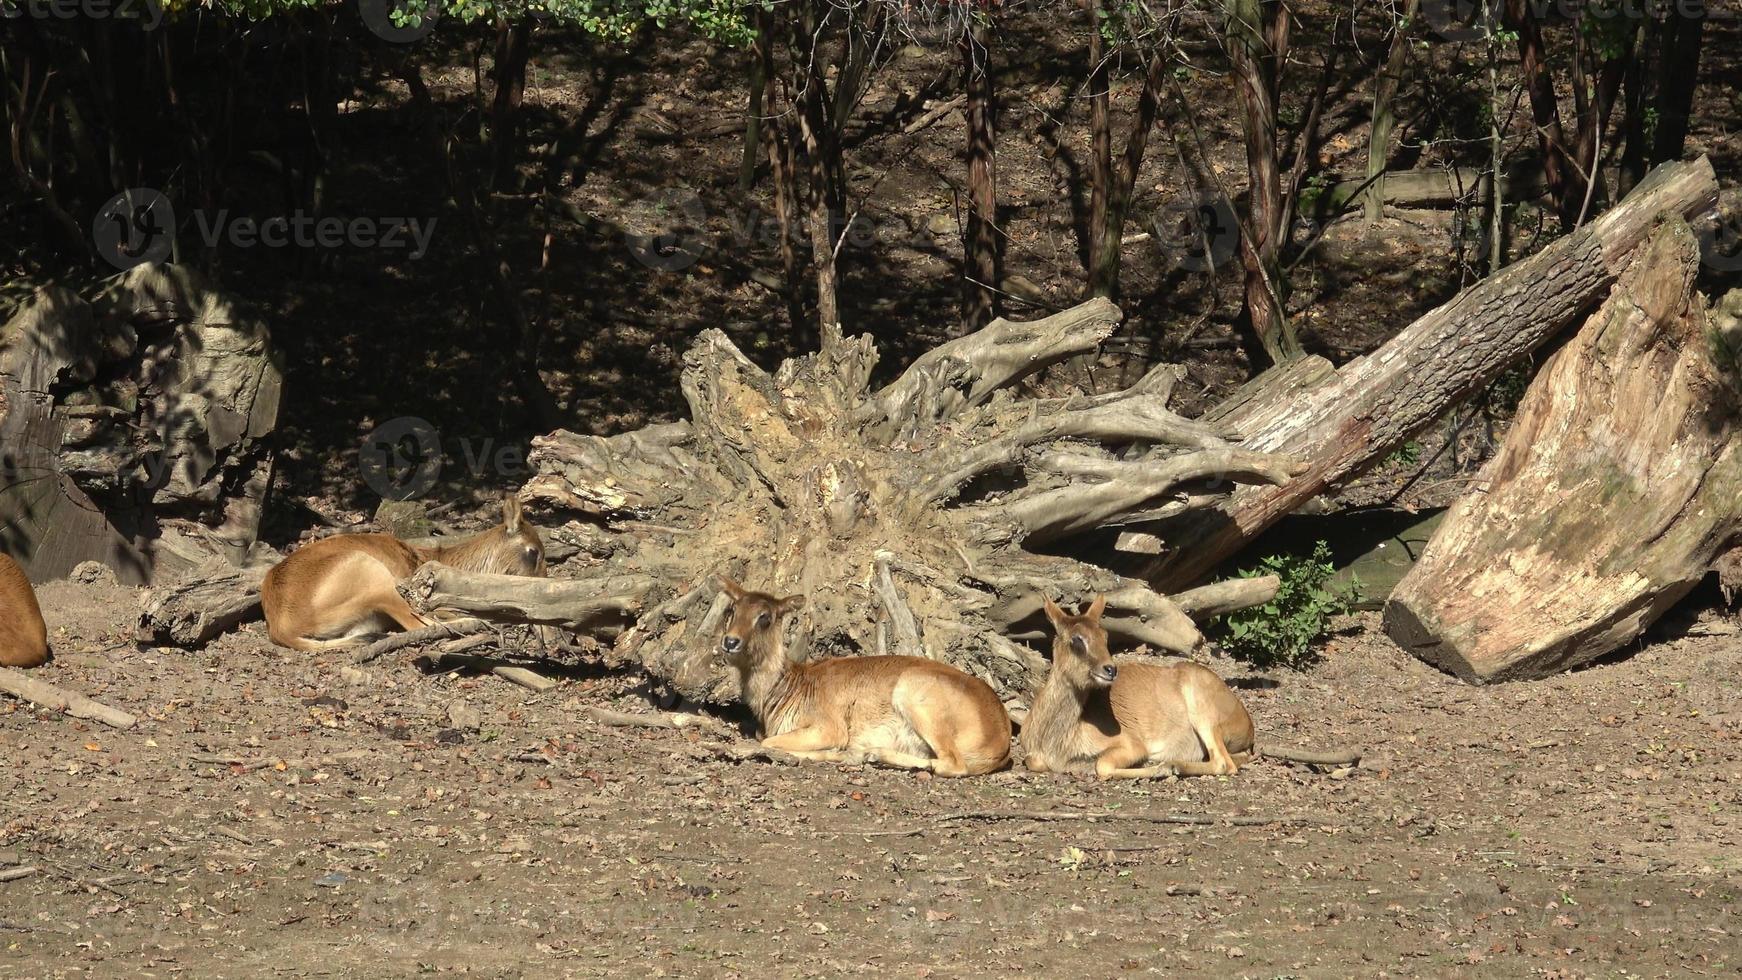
{"x":1079,"y":643}
{"x":763,"y":621}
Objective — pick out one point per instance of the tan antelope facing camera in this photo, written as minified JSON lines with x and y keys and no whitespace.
{"x":1140,"y":720}
{"x":23,"y":635}
{"x":1132,"y":722}
{"x":906,"y":712}
{"x":335,"y":590}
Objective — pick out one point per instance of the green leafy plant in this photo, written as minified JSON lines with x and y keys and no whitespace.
{"x":1284,"y":631}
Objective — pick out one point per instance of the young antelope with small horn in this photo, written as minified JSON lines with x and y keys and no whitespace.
{"x":906,"y":712}
{"x":1130,"y":722}
{"x":339,"y":589}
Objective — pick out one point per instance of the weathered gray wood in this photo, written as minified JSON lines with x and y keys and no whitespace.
{"x":571,"y":603}
{"x":144,"y":406}
{"x":1618,"y":485}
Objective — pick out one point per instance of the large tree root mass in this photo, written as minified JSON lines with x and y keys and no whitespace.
{"x":912,"y":516}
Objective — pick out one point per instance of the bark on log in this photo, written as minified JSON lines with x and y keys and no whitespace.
{"x":1619,"y":483}
{"x":211,"y":600}
{"x":904,"y":514}
{"x":1375,"y":402}
{"x":130,"y":418}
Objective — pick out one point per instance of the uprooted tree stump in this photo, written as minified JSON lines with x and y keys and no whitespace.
{"x":913,"y":517}
{"x":1617,"y":486}
{"x":133,"y":426}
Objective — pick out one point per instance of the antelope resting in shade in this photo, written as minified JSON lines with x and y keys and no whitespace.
{"x":338,"y":589}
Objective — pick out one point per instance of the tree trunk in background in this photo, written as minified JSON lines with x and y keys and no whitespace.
{"x":1564,"y":185}
{"x":1618,"y":485}
{"x":1596,"y":111}
{"x":981,"y":268}
{"x":1109,"y":221}
{"x":1635,"y":89}
{"x":1376,"y":402}
{"x":1384,"y":113}
{"x":1677,"y":77}
{"x":761,"y":73}
{"x":1100,"y":143}
{"x":1257,"y":48}
{"x":513,"y":47}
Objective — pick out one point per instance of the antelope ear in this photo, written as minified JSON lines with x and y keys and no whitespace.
{"x":791,"y":604}
{"x":728,"y":586}
{"x":1096,"y":608}
{"x":511,"y":514}
{"x":1054,"y":613}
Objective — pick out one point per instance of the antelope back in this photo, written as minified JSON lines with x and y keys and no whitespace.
{"x":23,"y":635}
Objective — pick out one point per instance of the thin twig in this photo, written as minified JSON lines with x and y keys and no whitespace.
{"x":399,"y":641}
{"x":660,"y":719}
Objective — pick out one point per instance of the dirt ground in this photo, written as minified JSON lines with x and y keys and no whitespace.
{"x":279,"y":814}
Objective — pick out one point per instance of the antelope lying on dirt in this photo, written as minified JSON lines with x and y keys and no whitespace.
{"x":906,"y":712}
{"x":1132,"y":722}
{"x":23,"y":636}
{"x":338,"y":589}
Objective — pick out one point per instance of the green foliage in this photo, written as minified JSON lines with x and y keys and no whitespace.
{"x":1407,"y":454}
{"x":1507,"y":391}
{"x":610,"y":20}
{"x":1283,"y":632}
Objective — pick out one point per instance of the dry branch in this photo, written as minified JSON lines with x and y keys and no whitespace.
{"x":570,"y":603}
{"x":410,"y":638}
{"x":660,"y":719}
{"x":42,"y":693}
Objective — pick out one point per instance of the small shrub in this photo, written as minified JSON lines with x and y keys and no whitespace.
{"x":1283,"y":632}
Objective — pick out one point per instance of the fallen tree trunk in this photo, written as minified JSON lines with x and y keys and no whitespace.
{"x":211,"y":600}
{"x":905,"y":514}
{"x":1618,"y":484}
{"x":133,"y":427}
{"x":1374,"y":403}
